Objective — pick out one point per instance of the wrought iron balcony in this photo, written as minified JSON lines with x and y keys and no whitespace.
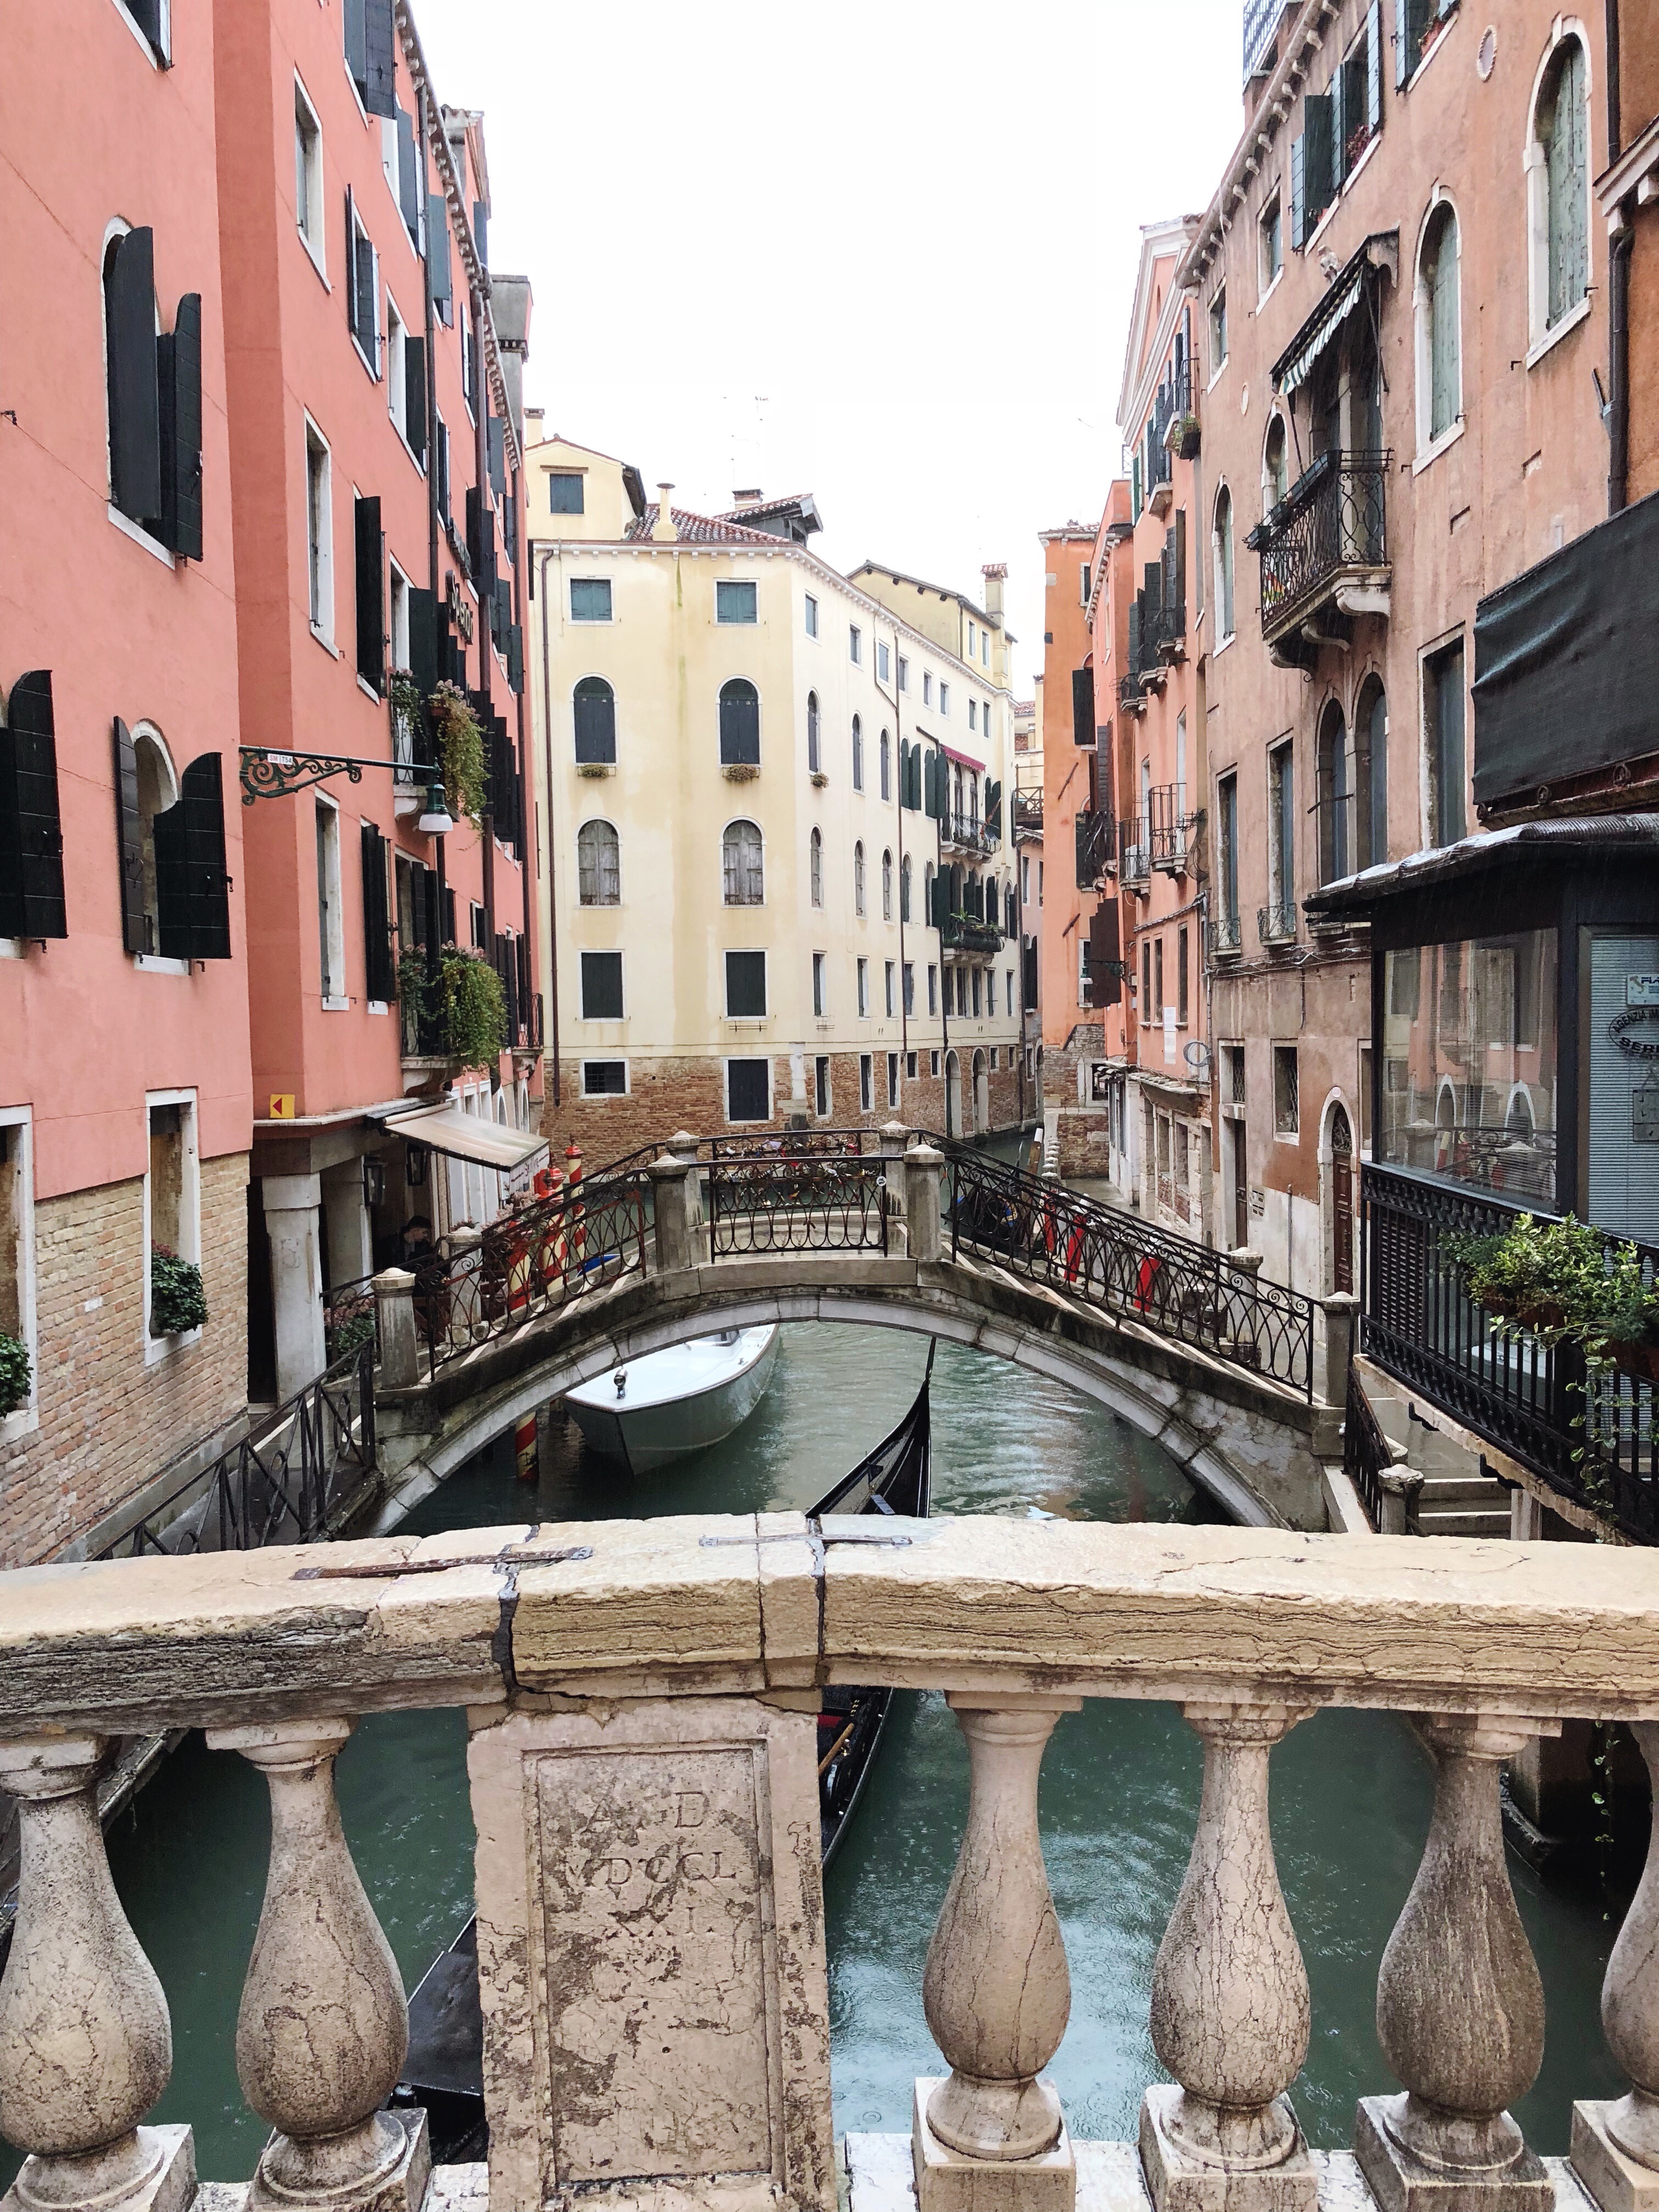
{"x":1163,"y":636}
{"x":1324,"y":544}
{"x":1134,"y":863}
{"x":968,"y":833}
{"x":1171,"y":827}
{"x":1130,"y":698}
{"x":1276,"y":925}
{"x":966,"y":933}
{"x":1226,"y":939}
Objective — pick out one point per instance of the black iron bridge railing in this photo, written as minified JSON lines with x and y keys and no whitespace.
{"x":1589,"y":1434}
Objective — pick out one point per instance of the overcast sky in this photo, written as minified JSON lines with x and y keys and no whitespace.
{"x":882,"y":253}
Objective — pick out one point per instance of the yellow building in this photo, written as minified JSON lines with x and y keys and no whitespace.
{"x":771,"y":824}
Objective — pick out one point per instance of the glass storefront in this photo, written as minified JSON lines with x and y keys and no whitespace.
{"x":1469,"y":1062}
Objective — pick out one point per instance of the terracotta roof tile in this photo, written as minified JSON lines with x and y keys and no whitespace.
{"x":701,"y":529}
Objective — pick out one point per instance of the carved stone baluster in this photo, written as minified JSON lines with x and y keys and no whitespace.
{"x":323,"y":2027}
{"x":1615,"y":2141}
{"x":996,"y":1991}
{"x":86,"y":2045}
{"x":1230,"y":2008}
{"x":1459,"y":2009}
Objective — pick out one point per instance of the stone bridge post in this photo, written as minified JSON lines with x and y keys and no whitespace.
{"x":923,"y":1168}
{"x":893,"y":1137}
{"x":394,"y":1298}
{"x":669,"y":1203}
{"x":683,"y":1146}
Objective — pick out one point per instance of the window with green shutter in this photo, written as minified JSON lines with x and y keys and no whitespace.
{"x":1440,"y":310}
{"x":1562,"y":131}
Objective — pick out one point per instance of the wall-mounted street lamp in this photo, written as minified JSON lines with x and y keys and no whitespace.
{"x":435,"y":822}
{"x":373,"y":1181}
{"x":269,"y":775}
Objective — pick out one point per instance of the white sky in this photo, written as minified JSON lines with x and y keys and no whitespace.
{"x":882,"y":253}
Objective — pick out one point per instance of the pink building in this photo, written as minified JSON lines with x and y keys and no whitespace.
{"x":123,"y":1022}
{"x":374,"y":433}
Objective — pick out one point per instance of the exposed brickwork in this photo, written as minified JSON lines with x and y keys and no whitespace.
{"x":107,"y":1422}
{"x":687,"y":1094}
{"x":1083,"y":1129}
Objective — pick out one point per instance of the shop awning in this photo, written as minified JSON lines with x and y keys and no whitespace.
{"x":466,"y":1137}
{"x":1298,"y":362}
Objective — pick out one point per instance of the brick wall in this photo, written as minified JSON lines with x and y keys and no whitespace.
{"x":669,"y":1094}
{"x":1083,"y":1129}
{"x":107,"y":1422}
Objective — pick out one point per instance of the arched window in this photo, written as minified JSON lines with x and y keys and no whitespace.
{"x":956,"y":795}
{"x":1557,"y":190}
{"x":1370,"y":737}
{"x":743,"y":881}
{"x":928,"y":900}
{"x":158,"y":793}
{"x":598,"y":864}
{"x":1333,"y":796}
{"x":1222,"y":545}
{"x":1275,"y":466}
{"x":887,"y":887}
{"x":815,"y":857}
{"x":904,"y":889}
{"x":595,"y":705}
{"x":858,"y":754}
{"x":1439,"y":362}
{"x":739,"y":724}
{"x":812,"y":761}
{"x":857,"y":877}
{"x":886,"y":766}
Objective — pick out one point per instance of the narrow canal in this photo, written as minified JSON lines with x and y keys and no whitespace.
{"x":1119,"y":1789}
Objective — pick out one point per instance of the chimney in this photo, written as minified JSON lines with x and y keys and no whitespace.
{"x":749,"y":498}
{"x":996,"y":573}
{"x":533,"y":433}
{"x":662,"y":530}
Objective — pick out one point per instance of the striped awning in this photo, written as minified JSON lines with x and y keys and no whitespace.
{"x":1298,"y":362}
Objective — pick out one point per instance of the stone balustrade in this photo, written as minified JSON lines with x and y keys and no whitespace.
{"x":640,"y":1696}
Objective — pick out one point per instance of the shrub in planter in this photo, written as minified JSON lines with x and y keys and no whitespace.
{"x":348,"y":1337}
{"x":15,"y":1374}
{"x":177,"y":1298}
{"x":1564,"y":1280}
{"x":462,"y":1010}
{"x":460,"y":737}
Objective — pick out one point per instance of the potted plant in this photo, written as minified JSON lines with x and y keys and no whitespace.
{"x":740,"y":771}
{"x":1566,"y":1281}
{"x":1183,"y":437}
{"x":177,"y":1300}
{"x":15,"y":1375}
{"x":459,"y":739}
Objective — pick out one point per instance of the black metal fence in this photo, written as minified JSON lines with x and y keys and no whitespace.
{"x":1590,"y":1435}
{"x":800,"y":1199}
{"x":1333,"y":518}
{"x":284,"y":1483}
{"x":1366,"y":1455}
{"x":1105,"y":1257}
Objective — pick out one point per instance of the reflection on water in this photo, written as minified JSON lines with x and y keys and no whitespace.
{"x":1120,"y":1787}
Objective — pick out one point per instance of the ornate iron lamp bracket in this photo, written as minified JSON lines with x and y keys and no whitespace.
{"x":267,"y":773}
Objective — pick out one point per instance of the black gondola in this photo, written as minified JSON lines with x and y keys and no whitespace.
{"x":444,"y":2069}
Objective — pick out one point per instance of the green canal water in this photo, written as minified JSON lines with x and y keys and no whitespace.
{"x":1119,"y":1789}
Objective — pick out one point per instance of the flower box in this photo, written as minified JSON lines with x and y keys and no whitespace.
{"x":740,"y":771}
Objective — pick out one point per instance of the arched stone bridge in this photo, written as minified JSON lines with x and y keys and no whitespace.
{"x":1241,"y":1381}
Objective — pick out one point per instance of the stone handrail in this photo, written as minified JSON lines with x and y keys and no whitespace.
{"x":642,"y":1700}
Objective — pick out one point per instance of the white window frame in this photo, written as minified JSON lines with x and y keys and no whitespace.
{"x":607,"y":1060}
{"x":903,"y":673}
{"x":944,"y":697}
{"x":750,"y":584}
{"x":24,"y":1420}
{"x":820,"y":986}
{"x":592,"y":622}
{"x":337,"y":1001}
{"x":749,"y":1121}
{"x":598,"y":905}
{"x":1542,"y":338}
{"x":855,"y":645}
{"x":889,"y":977}
{"x":581,"y":995}
{"x":1428,"y":447}
{"x":319,"y":538}
{"x":1218,"y":597}
{"x":867,"y":1082}
{"x":397,"y":370}
{"x":863,"y":972}
{"x":310,"y":221}
{"x":893,"y":1079}
{"x":397,"y":604}
{"x":359,"y":230}
{"x":811,"y":616}
{"x":824,"y":1100}
{"x":1266,"y":279}
{"x":1217,"y":298}
{"x":164,"y":59}
{"x":157,"y":1348}
{"x":926,"y":687}
{"x":973,"y":713}
{"x":883,"y":660}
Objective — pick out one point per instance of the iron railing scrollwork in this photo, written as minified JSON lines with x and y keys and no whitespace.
{"x":1105,"y":1257}
{"x":801,"y":1197}
{"x":1590,"y":1435}
{"x":1276,"y":925}
{"x":1332,"y":519}
{"x":291,"y":1479}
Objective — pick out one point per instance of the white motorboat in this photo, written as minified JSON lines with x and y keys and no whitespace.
{"x":670,"y":1403}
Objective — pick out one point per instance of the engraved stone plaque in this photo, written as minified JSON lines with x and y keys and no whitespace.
{"x":654,"y":1935}
{"x":651,"y":1954}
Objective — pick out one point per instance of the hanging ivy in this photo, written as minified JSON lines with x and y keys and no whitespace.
{"x":461,"y":1011}
{"x":178,"y":1299}
{"x":15,"y":1374}
{"x":461,"y":751}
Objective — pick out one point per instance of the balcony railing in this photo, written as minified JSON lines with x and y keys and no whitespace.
{"x":1163,"y":634}
{"x":966,"y":933}
{"x":1134,"y":859}
{"x":968,"y":832}
{"x":1331,"y":526}
{"x":1276,"y":925}
{"x":598,"y":1809}
{"x":1026,"y":813}
{"x":1225,"y":937}
{"x":1172,"y":827}
{"x":1096,"y":846}
{"x":1591,"y":1437}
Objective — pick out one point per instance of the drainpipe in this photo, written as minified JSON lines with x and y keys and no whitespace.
{"x":898,"y":760}
{"x":549,"y":554}
{"x":1615,"y":121}
{"x":1619,"y":253}
{"x":428,"y":109}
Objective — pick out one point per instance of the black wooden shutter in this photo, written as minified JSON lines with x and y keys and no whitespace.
{"x":1179,"y":599}
{"x":423,"y":640}
{"x":130,"y":842}
{"x":475,"y":534}
{"x":31,"y":836}
{"x":510,"y":528}
{"x":1373,"y":64}
{"x":522,"y":947}
{"x":408,"y":177}
{"x":356,"y":45}
{"x":178,"y":370}
{"x":498,"y":456}
{"x":414,"y":394}
{"x":503,"y":609}
{"x":147,"y":13}
{"x":351,"y":262}
{"x":1298,"y":196}
{"x":1319,"y":156}
{"x":1105,"y":955}
{"x":371,"y":594}
{"x":1082,"y":706}
{"x":449,"y":913}
{"x":437,"y":250}
{"x":192,"y":890}
{"x":367,"y":290}
{"x":515,"y":657}
{"x":134,"y":417}
{"x":1135,"y":635}
{"x":379,"y":968}
{"x":381,"y":58}
{"x":481,"y":231}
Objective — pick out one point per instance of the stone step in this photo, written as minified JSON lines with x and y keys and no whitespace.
{"x":1462,"y":1521}
{"x":1464,"y":1490}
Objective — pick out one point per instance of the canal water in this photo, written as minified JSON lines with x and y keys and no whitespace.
{"x":1119,"y":1789}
